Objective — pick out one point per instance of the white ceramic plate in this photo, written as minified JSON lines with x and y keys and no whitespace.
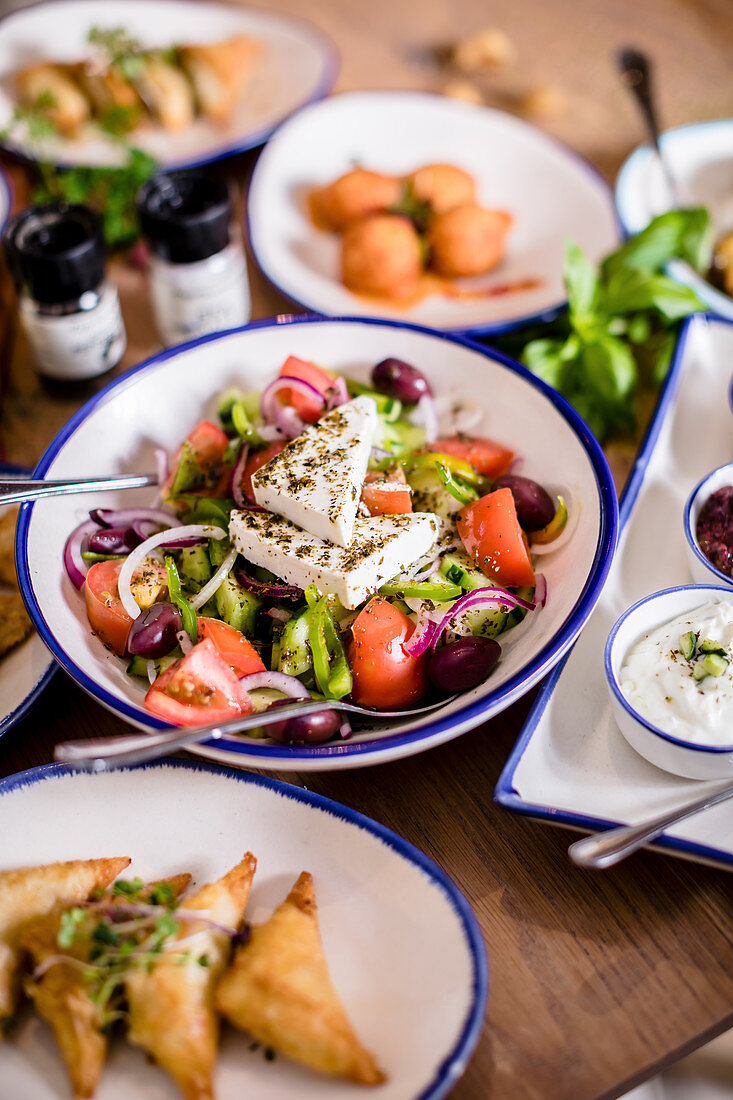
{"x":156,"y":405}
{"x":404,"y":949}
{"x":700,"y":158}
{"x":571,"y":765}
{"x":27,"y":669}
{"x":298,"y":65}
{"x":550,"y":191}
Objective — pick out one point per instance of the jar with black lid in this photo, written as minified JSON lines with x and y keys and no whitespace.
{"x":70,"y":312}
{"x":198,"y":273}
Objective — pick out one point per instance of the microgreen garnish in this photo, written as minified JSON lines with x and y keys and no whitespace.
{"x":131,"y":888}
{"x":71,"y":921}
{"x":120,"y":49}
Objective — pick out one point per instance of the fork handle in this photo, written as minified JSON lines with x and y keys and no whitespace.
{"x":17,"y":490}
{"x":123,"y":751}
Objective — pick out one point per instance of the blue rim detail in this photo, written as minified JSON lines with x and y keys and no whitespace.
{"x":613,"y":680}
{"x":497,"y":328}
{"x":687,"y":525}
{"x":605,"y":547}
{"x":331,"y":69}
{"x":505,"y":794}
{"x":455,"y":1063}
{"x":27,"y":704}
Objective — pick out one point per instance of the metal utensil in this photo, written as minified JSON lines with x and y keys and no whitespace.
{"x":126,"y":749}
{"x":636,"y":70}
{"x":17,"y":490}
{"x":605,"y":849}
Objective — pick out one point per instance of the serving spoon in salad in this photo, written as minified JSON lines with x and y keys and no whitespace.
{"x":18,"y":490}
{"x":123,"y":750}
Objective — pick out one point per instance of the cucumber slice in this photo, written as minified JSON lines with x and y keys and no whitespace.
{"x":430,"y":495}
{"x":688,"y":642}
{"x":517,"y":614}
{"x":237,"y":606}
{"x":138,"y":666}
{"x":188,"y":473}
{"x":707,"y":645}
{"x":194,"y":567}
{"x":218,"y":550}
{"x":458,"y":567}
{"x":295,"y":653}
{"x":712,"y":664}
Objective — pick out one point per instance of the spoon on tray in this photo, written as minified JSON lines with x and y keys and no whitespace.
{"x":606,"y":849}
{"x":18,"y":490}
{"x":124,"y":750}
{"x":636,"y":70}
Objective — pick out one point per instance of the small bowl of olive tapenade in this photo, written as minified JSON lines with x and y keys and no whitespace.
{"x":708,"y":524}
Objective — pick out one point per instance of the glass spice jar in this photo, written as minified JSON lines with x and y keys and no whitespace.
{"x":198,"y":274}
{"x":69,"y":310}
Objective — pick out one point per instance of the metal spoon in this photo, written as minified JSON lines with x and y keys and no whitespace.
{"x":126,"y":749}
{"x":17,"y":490}
{"x":636,"y":70}
{"x":605,"y":849}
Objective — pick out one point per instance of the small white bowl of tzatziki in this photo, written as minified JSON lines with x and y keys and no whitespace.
{"x":669,"y":666}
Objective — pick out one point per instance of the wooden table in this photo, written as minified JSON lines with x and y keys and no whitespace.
{"x":597,"y":980}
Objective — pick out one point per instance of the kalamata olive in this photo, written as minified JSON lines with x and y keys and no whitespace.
{"x":461,"y":665}
{"x":113,"y":540}
{"x":153,"y":633}
{"x":304,"y":729}
{"x":535,"y":507}
{"x":396,"y":378}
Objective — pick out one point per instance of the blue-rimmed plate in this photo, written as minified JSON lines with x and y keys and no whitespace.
{"x":700,"y":158}
{"x":571,"y":764}
{"x":551,"y":193}
{"x":297,"y":65}
{"x":157,"y":403}
{"x":404,"y":949}
{"x":26,"y":670}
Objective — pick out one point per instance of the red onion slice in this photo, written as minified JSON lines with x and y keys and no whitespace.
{"x":426,"y":415}
{"x":540,"y":591}
{"x":282,"y":416}
{"x":494,"y":598}
{"x":427,"y":572}
{"x":280,"y":614}
{"x":237,"y":477}
{"x":278,"y":681}
{"x":212,"y":586}
{"x":74,"y":564}
{"x":337,"y":393}
{"x":126,"y":517}
{"x":184,"y":642}
{"x":274,"y":591}
{"x":422,"y":636}
{"x":138,"y":555}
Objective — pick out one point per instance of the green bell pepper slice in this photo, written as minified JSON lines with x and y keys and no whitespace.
{"x":330,"y":664}
{"x":437,"y":588}
{"x":188,"y":615}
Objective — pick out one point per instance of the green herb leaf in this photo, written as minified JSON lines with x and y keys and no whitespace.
{"x":629,"y":291}
{"x":70,"y":923}
{"x":677,"y":235}
{"x":581,"y":283}
{"x":125,"y":888}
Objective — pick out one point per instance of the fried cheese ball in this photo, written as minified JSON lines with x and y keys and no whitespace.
{"x":382,"y":255}
{"x":354,"y":196}
{"x":443,"y":186}
{"x":468,"y":240}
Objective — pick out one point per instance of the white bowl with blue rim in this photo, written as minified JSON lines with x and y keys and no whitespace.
{"x":298,"y":64}
{"x":551,"y":192}
{"x":700,"y":158}
{"x":672,"y":754}
{"x":404,"y":950}
{"x":156,"y":405}
{"x":702,"y":569}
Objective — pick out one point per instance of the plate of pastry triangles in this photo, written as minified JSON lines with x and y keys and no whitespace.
{"x":181,"y":929}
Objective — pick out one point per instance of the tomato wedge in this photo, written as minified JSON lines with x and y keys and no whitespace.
{"x":208,"y":444}
{"x":491,"y":534}
{"x":253,"y":463}
{"x":487,"y":457}
{"x":387,"y":495}
{"x":199,"y":688}
{"x":307,"y":408}
{"x":107,"y":616}
{"x":231,"y":644}
{"x":385,"y":675}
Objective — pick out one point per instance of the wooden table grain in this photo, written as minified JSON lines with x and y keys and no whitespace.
{"x":597,"y":980}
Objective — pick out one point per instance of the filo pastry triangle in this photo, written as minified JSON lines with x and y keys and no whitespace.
{"x":278,"y":989}
{"x":171,"y":1008}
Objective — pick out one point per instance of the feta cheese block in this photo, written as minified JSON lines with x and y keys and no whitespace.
{"x":382,"y":547}
{"x":316,"y":481}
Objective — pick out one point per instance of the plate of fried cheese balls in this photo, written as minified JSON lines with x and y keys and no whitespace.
{"x":244,"y":938}
{"x":422,"y":208}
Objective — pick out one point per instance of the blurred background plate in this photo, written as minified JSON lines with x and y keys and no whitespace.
{"x":550,"y":191}
{"x":298,"y":64}
{"x":700,"y":158}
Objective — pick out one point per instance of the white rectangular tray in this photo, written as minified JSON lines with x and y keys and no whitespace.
{"x":571,"y":765}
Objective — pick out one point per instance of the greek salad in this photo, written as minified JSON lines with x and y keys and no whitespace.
{"x":323,"y":540}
